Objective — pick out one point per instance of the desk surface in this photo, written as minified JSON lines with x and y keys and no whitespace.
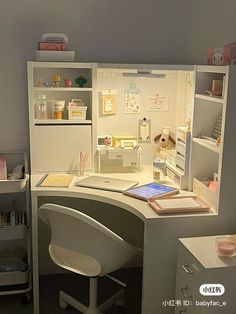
{"x":137,"y":207}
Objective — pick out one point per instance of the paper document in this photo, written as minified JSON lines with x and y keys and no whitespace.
{"x":56,"y":180}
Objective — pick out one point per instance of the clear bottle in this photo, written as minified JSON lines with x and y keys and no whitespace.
{"x":159,"y":170}
{"x":41,"y":107}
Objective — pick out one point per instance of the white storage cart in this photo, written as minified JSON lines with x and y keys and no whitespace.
{"x":15,"y":244}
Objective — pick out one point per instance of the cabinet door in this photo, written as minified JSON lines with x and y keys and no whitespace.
{"x":58,"y":148}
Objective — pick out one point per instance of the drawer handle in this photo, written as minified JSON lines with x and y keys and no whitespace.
{"x":185,"y":293}
{"x":187,"y":269}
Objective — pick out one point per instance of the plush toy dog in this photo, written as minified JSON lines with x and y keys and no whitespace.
{"x":165,"y":141}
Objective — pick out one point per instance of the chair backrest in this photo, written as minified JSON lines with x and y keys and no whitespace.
{"x":81,"y":244}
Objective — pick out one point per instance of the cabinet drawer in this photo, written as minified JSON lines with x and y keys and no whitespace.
{"x":180,"y":162}
{"x":181,"y":148}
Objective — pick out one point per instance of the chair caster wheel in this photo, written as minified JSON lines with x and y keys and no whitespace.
{"x":63,"y":304}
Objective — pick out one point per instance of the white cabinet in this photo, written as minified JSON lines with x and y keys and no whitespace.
{"x":199,"y":264}
{"x":15,"y":245}
{"x":213,"y":132}
{"x":57,"y":140}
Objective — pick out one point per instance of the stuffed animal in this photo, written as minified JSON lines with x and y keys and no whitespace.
{"x":165,"y":142}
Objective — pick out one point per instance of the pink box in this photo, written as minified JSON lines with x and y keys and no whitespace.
{"x":222,"y":56}
{"x":215,"y":56}
{"x":52,"y":46}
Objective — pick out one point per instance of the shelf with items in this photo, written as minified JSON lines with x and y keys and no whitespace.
{"x":62,"y":89}
{"x":210,"y":98}
{"x":209,"y":121}
{"x":210,"y":84}
{"x":13,"y":186}
{"x":208,"y":143}
{"x":15,"y":276}
{"x":61,"y":114}
{"x":61,"y":122}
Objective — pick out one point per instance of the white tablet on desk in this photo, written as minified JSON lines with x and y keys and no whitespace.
{"x":105,"y":183}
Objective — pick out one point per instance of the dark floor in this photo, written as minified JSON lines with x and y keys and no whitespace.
{"x":77,"y":286}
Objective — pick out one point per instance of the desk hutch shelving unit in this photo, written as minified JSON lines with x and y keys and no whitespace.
{"x":15,"y":231}
{"x":208,"y":159}
{"x":56,"y":144}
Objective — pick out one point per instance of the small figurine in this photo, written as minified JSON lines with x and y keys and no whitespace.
{"x":81,"y":81}
{"x":56,"y":80}
{"x":68,"y":83}
{"x":47,"y":84}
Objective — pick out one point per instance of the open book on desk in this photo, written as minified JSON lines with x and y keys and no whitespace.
{"x":61,"y":180}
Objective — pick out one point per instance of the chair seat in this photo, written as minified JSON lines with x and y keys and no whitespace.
{"x":84,"y":246}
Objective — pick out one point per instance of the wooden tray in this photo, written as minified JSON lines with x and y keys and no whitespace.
{"x":181,"y":204}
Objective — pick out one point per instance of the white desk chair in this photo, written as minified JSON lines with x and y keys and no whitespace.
{"x":84,"y":246}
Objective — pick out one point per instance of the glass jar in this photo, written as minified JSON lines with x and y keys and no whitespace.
{"x":41,"y":108}
{"x":159,"y":170}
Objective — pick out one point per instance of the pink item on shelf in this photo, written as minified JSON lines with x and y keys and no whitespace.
{"x":68,"y":82}
{"x":213,"y":186}
{"x":52,"y":46}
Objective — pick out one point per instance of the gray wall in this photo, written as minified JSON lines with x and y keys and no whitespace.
{"x":131,"y":31}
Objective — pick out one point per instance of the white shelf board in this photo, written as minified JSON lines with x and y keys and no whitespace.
{"x":210,"y":98}
{"x":61,"y":64}
{"x":208,"y":144}
{"x":13,"y":232}
{"x":213,"y":68}
{"x":63,"y":121}
{"x":62,"y":89}
{"x":13,"y":186}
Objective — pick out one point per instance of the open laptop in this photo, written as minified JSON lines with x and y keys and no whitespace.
{"x":105,"y":183}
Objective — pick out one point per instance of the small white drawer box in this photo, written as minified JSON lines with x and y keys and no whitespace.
{"x":180,"y":162}
{"x":181,"y":148}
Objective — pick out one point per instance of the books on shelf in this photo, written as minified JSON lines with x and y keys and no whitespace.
{"x":12,"y":218}
{"x":62,"y":180}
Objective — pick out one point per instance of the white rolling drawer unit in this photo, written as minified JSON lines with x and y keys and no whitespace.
{"x":197,"y":264}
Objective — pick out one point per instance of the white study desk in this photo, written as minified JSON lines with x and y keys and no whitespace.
{"x":160,"y":236}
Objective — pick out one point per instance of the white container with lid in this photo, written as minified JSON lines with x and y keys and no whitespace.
{"x":159,"y":170}
{"x":77,"y":110}
{"x":58,"y":109}
{"x":41,"y":107}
